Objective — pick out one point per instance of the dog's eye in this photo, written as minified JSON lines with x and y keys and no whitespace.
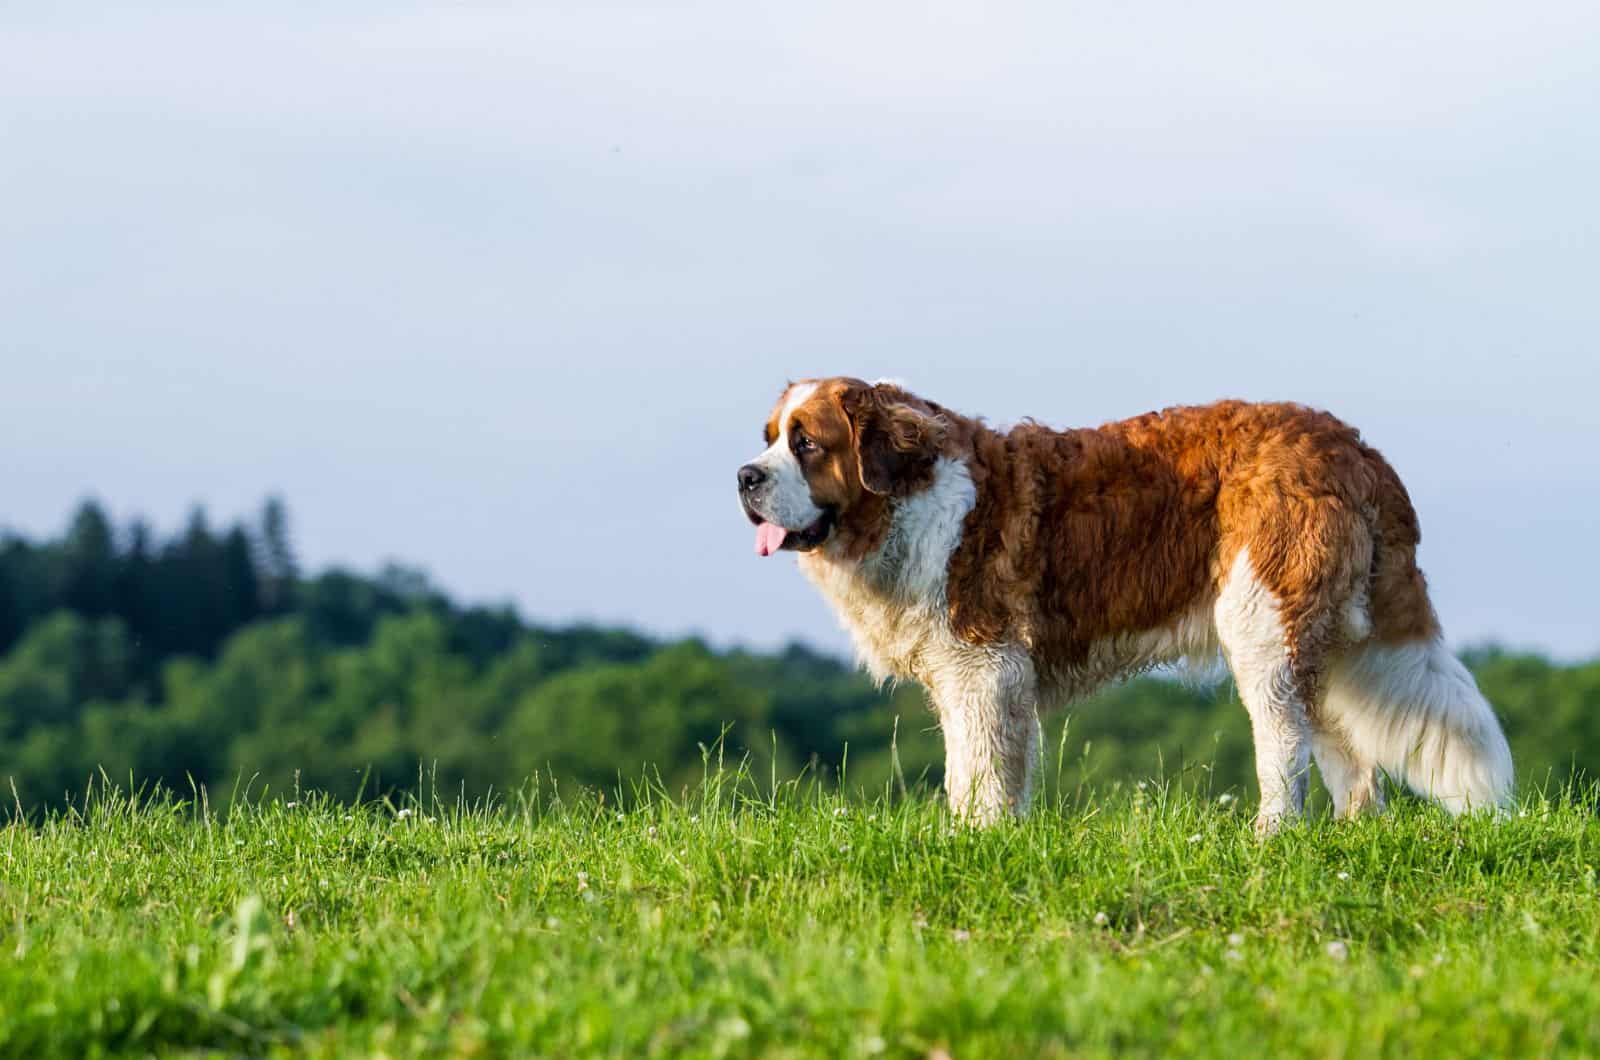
{"x":803,"y":444}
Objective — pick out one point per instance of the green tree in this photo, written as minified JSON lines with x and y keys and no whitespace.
{"x":62,"y":663}
{"x":597,"y":724}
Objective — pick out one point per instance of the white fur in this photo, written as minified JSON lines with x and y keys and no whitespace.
{"x":1357,"y":616}
{"x":1352,"y":783}
{"x":787,"y":502}
{"x":1256,"y":644}
{"x":893,"y":603}
{"x":1415,"y":711}
{"x":988,"y":711}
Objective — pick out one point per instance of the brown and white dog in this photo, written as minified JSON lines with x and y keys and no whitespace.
{"x":1011,"y":570}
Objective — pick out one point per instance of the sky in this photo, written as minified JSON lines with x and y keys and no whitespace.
{"x":505,"y":290}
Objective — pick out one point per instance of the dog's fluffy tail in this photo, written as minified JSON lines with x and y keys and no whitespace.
{"x":1414,"y":710}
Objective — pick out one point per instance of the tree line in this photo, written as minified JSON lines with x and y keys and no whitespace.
{"x":209,"y":658}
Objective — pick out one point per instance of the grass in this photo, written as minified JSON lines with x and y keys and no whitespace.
{"x":793,"y":923}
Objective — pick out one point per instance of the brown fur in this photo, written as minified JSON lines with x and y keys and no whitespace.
{"x":1009,"y":570}
{"x":1083,"y":535}
{"x":1080,"y":536}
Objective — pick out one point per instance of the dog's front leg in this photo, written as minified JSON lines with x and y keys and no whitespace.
{"x":986,"y":699}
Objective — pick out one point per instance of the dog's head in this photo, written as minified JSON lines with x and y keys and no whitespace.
{"x":838,"y":451}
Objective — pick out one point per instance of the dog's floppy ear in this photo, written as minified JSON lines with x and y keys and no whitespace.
{"x":896,"y":443}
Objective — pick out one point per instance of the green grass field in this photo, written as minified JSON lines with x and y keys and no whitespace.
{"x":737,"y":923}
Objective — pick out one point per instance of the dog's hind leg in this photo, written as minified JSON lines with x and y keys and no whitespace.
{"x":1256,"y":643}
{"x":1352,"y":782}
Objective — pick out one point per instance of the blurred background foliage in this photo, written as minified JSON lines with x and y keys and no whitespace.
{"x":210,"y":658}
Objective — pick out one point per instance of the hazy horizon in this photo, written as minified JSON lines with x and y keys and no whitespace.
{"x":505,"y":294}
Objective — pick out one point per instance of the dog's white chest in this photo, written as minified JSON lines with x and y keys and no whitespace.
{"x":889,"y":633}
{"x":893,"y":602}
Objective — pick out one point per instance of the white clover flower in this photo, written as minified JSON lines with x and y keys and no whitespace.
{"x":1225,"y":799}
{"x":1233,"y":955}
{"x":1338,"y":950}
{"x":403,"y":814}
{"x":1236,"y":939}
{"x":1341,"y":875}
{"x":1195,"y":838}
{"x":1101,"y":920}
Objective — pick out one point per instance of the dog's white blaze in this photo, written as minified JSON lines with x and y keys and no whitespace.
{"x":789,"y":504}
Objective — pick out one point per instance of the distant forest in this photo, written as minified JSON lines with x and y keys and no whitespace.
{"x":210,"y":658}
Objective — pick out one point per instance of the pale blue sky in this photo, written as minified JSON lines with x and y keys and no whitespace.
{"x":505,"y":290}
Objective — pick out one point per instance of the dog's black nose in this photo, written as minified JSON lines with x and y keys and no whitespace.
{"x":750,"y":477}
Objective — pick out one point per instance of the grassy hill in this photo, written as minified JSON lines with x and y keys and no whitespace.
{"x":744,"y":921}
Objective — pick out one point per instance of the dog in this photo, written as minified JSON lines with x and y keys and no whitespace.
{"x":1007,"y":571}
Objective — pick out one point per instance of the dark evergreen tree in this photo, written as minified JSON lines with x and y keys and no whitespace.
{"x":240,"y":589}
{"x":134,"y":593}
{"x":89,"y":563}
{"x":275,"y":560}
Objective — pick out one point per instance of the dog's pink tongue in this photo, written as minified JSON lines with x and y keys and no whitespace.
{"x":769,"y":538}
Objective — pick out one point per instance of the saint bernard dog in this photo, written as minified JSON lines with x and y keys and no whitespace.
{"x":1011,"y":570}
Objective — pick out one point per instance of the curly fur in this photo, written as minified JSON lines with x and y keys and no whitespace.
{"x":1006,"y":570}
